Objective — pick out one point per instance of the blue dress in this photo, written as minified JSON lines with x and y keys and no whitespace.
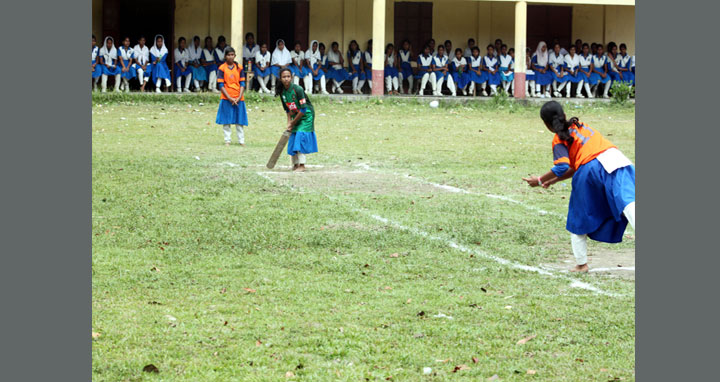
{"x":357,"y":73}
{"x":580,"y":74}
{"x":461,"y":79}
{"x":629,"y":76}
{"x":320,"y":71}
{"x":368,"y":67}
{"x":108,"y":71}
{"x":391,"y":71}
{"x":598,"y":199}
{"x":160,"y":70}
{"x":493,"y":79}
{"x":422,"y":69}
{"x":439,"y":75}
{"x":541,"y":78}
{"x":132,"y":72}
{"x":595,"y":78}
{"x":98,"y":68}
{"x":503,"y":69}
{"x":405,"y":66}
{"x":474,"y":77}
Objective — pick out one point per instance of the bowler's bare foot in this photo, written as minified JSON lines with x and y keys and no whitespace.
{"x":300,"y":168}
{"x":242,"y":144}
{"x":581,"y":268}
{"x":295,"y":166}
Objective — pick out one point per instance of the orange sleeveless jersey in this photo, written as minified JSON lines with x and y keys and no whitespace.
{"x":586,"y":146}
{"x":232,"y":80}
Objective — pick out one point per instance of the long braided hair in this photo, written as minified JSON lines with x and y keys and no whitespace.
{"x":553,"y":115}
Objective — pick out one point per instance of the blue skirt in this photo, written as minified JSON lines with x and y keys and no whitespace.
{"x":320,"y":72}
{"x":303,"y":142}
{"x":559,"y":80}
{"x":179,"y":72}
{"x":543,"y":78}
{"x":573,"y":78}
{"x":406,"y":70}
{"x":477,"y":78}
{"x":110,"y":72}
{"x":199,"y":73}
{"x":160,"y":70}
{"x":338,"y":75}
{"x":391,"y":72}
{"x":262,"y":73}
{"x":507,"y":78}
{"x":275,"y":70}
{"x":595,"y":79}
{"x":493,"y":79}
{"x":461,"y":79}
{"x":582,"y":76}
{"x":421,"y":72}
{"x":440,"y":76}
{"x":357,"y":74}
{"x":210,"y":68}
{"x":132,"y":71}
{"x":299,"y":72}
{"x":530,"y":76}
{"x":231,"y":115}
{"x":98,"y":69}
{"x":368,"y":74}
{"x":628,"y":77}
{"x":598,"y":199}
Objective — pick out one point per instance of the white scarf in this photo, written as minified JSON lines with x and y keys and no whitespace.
{"x":142,"y":54}
{"x":281,"y":56}
{"x":158,"y":53}
{"x":334,"y":57}
{"x":195,"y":52}
{"x":311,"y":56}
{"x":542,"y":57}
{"x":108,"y":56}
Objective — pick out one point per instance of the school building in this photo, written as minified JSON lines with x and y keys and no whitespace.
{"x":517,"y":23}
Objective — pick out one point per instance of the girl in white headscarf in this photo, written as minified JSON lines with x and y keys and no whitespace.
{"x":182,"y":66}
{"x":314,"y":62}
{"x":280,"y":59}
{"x":199,"y":74}
{"x":158,"y":58}
{"x":108,"y":61}
{"x":543,"y":78}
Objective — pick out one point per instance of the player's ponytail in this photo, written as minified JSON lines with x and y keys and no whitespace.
{"x":553,"y":115}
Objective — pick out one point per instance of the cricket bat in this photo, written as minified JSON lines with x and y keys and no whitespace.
{"x":278,"y":149}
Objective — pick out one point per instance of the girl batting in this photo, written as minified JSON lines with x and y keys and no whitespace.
{"x":300,"y":120}
{"x":602,"y":201}
{"x":231,"y":81}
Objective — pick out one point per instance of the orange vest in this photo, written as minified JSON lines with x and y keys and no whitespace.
{"x":586,"y":146}
{"x":231,"y":79}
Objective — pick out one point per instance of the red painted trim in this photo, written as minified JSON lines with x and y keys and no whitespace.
{"x":519,"y":91}
{"x":378,"y":79}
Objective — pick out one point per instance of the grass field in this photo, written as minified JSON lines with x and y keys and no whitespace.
{"x":415,"y":245}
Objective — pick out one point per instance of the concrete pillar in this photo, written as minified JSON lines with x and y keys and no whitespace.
{"x":378,"y":51}
{"x":520,"y":46}
{"x":236,"y":28}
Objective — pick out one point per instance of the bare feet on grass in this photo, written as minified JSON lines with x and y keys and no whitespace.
{"x":581,"y":268}
{"x":300,"y":168}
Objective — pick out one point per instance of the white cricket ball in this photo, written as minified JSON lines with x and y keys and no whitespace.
{"x":434,"y":104}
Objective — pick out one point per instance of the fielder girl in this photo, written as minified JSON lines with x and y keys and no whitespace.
{"x":602,"y":201}
{"x":300,"y":120}
{"x":232,"y":111}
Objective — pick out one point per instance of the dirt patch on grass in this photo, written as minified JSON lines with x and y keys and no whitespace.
{"x":614,"y":263}
{"x":348,"y":180}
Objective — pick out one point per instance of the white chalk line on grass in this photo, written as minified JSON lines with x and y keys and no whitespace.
{"x":573,"y":282}
{"x":458,"y":190}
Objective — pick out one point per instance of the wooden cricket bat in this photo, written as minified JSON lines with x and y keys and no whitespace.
{"x":278,"y":149}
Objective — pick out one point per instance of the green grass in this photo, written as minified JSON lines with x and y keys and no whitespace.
{"x":183,"y":237}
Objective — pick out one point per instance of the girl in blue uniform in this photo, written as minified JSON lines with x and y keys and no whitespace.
{"x":529,"y":74}
{"x":143,"y":67}
{"x":96,"y":69}
{"x":109,"y":63}
{"x":199,"y":75}
{"x":208,"y":62}
{"x":459,"y":71}
{"x":280,"y":60}
{"x":477,"y":75}
{"x":599,"y":75}
{"x":298,"y":67}
{"x":623,"y":61}
{"x":262,"y":68}
{"x":585,"y":70}
{"x":127,"y":67}
{"x":367,"y":64}
{"x":441,"y":71}
{"x":336,"y":67}
{"x":313,"y":59}
{"x":405,"y":71}
{"x":507,"y":69}
{"x":572,"y":72}
{"x":355,"y":67}
{"x":490,"y":67}
{"x":557,"y":70}
{"x":540,"y":66}
{"x":182,"y":66}
{"x":602,"y":201}
{"x":425,"y":71}
{"x":391,"y":70}
{"x":158,"y":58}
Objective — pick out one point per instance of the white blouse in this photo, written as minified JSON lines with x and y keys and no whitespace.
{"x":142,"y":54}
{"x":506,"y":61}
{"x":262,"y":60}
